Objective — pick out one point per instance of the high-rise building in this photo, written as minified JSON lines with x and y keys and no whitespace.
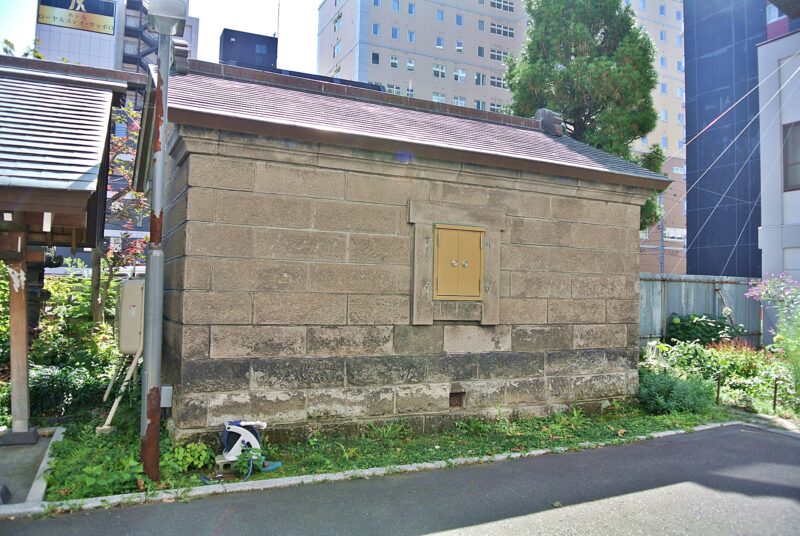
{"x":438,"y":51}
{"x":724,"y":164}
{"x":253,"y":51}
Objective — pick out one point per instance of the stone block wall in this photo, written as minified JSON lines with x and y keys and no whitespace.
{"x":290,"y":284}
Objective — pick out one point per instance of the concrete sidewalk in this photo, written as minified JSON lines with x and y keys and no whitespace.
{"x":733,"y":480}
{"x":19,"y":465}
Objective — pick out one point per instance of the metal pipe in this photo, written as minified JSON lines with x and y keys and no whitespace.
{"x":154,"y":282}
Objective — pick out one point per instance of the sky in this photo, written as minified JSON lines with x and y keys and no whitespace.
{"x":297,"y":44}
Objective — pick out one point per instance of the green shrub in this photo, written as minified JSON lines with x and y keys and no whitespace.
{"x":5,"y":404}
{"x":703,"y":329}
{"x":58,"y":391}
{"x":662,"y":392}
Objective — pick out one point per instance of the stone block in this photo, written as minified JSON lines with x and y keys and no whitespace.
{"x":601,"y":386}
{"x":559,"y":389}
{"x":624,"y":215}
{"x":300,"y":245}
{"x":174,"y":271}
{"x":350,"y":340}
{"x":453,"y":367}
{"x":605,"y":237}
{"x":523,"y":311}
{"x":546,"y":285}
{"x":573,"y":362}
{"x":426,"y":398}
{"x":175,"y":213}
{"x":297,"y":373}
{"x":418,"y":339}
{"x":403,"y":282}
{"x":599,"y":336}
{"x":174,"y":243}
{"x":569,"y":260}
{"x":482,"y":394}
{"x":379,"y":249}
{"x":623,"y":310}
{"x":173,"y":305}
{"x":299,"y":180}
{"x":378,"y":309}
{"x":541,"y":232}
{"x":599,"y":286}
{"x":537,"y":338}
{"x":391,"y":191}
{"x":526,"y":204}
{"x":356,"y":217}
{"x":457,"y":310}
{"x":465,"y":339}
{"x":576,"y":311}
{"x":386,"y":370}
{"x":351,"y":278}
{"x":258,"y":275}
{"x":221,"y":173}
{"x":579,"y":210}
{"x":526,"y":392}
{"x":201,"y":204}
{"x":194,"y":342}
{"x":299,"y":308}
{"x":197,"y":273}
{"x":493,"y":219}
{"x":229,"y":407}
{"x":524,"y":258}
{"x":263,"y":209}
{"x":622,"y":359}
{"x":190,"y":411}
{"x":350,"y":402}
{"x":202,"y":307}
{"x":494,"y":365}
{"x":257,"y":341}
{"x":210,"y":375}
{"x":619,"y":262}
{"x":279,"y":407}
{"x":632,"y":335}
{"x":216,"y":240}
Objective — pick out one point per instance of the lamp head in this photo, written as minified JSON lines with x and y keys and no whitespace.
{"x":167,"y":17}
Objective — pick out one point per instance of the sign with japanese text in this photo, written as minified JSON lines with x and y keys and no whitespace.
{"x":89,"y":15}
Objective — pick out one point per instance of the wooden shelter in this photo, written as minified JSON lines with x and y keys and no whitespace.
{"x":55,"y":127}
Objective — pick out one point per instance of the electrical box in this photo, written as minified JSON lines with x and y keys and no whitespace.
{"x":129,"y":319}
{"x":458,"y":263}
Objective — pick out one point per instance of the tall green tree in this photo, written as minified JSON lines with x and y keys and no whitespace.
{"x":590,"y":61}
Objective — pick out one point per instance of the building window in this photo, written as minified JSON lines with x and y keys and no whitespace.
{"x":395,"y":5}
{"x":337,"y":48}
{"x":664,"y":142}
{"x":460,"y":46}
{"x":410,"y":92}
{"x":459,"y":101}
{"x":480,"y":105}
{"x":439,"y":97}
{"x":412,"y":37}
{"x":679,"y":39}
{"x":376,"y":28}
{"x":499,"y":29}
{"x":663,"y":115}
{"x":439,"y":15}
{"x":498,"y":55}
{"x":392,"y":89}
{"x":438,"y":70}
{"x":662,"y":35}
{"x":498,"y":81}
{"x":643,"y":5}
{"x":680,"y":119}
{"x":628,"y":3}
{"x":459,"y":75}
{"x":337,"y":23}
{"x":663,"y":61}
{"x":681,"y":143}
{"x":395,"y":33}
{"x":410,"y":65}
{"x":504,"y":5}
{"x":481,"y":25}
{"x":480,"y":79}
{"x":458,"y":262}
{"x":439,"y":41}
{"x":679,"y":65}
{"x":662,"y":10}
{"x":376,"y":58}
{"x":773,"y":13}
{"x":663,"y":88}
{"x":679,"y":15}
{"x":496,"y":107}
{"x":261,"y":49}
{"x":412,"y":8}
{"x":680,"y":93}
{"x":643,"y":139}
{"x":481,"y":52}
{"x":459,"y":20}
{"x":394,"y":62}
{"x":791,"y":157}
{"x":376,"y":3}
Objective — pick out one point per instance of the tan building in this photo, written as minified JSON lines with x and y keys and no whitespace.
{"x":432,"y":50}
{"x":360,"y":256}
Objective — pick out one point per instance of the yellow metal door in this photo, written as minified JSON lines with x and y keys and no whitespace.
{"x":469,"y":266}
{"x":447,"y":262}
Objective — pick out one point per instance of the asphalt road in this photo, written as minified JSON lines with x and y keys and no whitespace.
{"x":733,"y":480}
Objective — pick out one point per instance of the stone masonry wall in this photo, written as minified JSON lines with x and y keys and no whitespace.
{"x":289,"y":289}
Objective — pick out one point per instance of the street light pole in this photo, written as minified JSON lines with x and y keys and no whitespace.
{"x":166,"y":18}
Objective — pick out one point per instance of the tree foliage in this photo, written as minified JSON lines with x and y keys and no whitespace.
{"x":588,"y":60}
{"x":652,"y":211}
{"x":9,"y":49}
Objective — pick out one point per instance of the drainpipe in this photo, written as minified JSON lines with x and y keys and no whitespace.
{"x":154,"y":281}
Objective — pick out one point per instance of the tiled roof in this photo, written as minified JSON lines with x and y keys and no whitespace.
{"x":272,"y":100}
{"x":52,"y":134}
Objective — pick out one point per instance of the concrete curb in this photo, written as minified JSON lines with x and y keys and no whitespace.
{"x":33,"y":509}
{"x":39,"y":486}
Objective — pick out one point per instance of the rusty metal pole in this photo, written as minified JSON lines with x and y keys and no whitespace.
{"x":154,"y":285}
{"x":775,"y":396}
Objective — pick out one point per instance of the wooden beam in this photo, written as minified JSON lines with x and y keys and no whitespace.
{"x":18,"y":335}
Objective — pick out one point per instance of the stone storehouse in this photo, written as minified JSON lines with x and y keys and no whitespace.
{"x":337,"y":255}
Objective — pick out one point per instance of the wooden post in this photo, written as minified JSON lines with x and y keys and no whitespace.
{"x":775,"y":396}
{"x":18,"y":335}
